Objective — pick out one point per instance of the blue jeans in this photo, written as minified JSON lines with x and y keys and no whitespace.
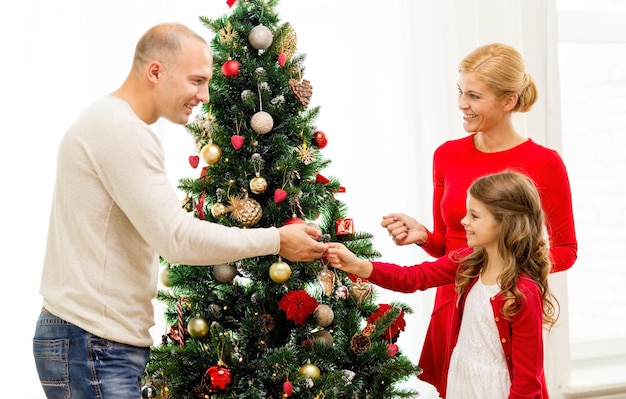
{"x":74,"y":364}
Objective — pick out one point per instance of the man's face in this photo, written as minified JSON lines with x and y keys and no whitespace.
{"x":186,"y":82}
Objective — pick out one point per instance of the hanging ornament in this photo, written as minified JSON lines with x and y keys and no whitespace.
{"x":227,"y":34}
{"x":245,"y":210}
{"x":305,"y":155}
{"x":288,"y":42}
{"x":230,"y":68}
{"x":217,"y":378}
{"x":326,"y":279}
{"x":188,"y":203}
{"x":148,"y":391}
{"x":287,"y":389}
{"x":236,"y":140}
{"x":279,"y":195}
{"x":262,"y":122}
{"x":310,"y":370}
{"x":392,"y":350}
{"x":360,"y":343}
{"x":360,"y":290}
{"x":320,"y":139}
{"x":260,"y":37}
{"x":269,"y":323}
{"x":219,"y":209}
{"x":294,"y":219}
{"x":324,"y":315}
{"x":194,"y":161}
{"x":344,"y":227}
{"x":302,"y":90}
{"x":258,"y":184}
{"x":198,"y":327}
{"x":225,"y":272}
{"x":164,"y":277}
{"x":211,"y":153}
{"x":282,"y":59}
{"x":341,"y":292}
{"x":323,"y":337}
{"x":280,"y":271}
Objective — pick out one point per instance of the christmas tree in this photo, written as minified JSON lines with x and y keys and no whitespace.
{"x":261,"y":327}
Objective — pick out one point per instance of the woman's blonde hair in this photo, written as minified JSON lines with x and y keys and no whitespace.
{"x":513,"y":200}
{"x":501,"y":67}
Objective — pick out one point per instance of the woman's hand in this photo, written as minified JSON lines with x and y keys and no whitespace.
{"x":404,"y":229}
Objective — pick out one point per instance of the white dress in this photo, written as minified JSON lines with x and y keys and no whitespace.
{"x":478,"y":369}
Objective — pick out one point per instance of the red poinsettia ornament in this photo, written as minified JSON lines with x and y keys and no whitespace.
{"x":298,"y":305}
{"x":395,"y":327}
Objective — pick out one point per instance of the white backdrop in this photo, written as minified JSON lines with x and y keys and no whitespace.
{"x":384,"y":74}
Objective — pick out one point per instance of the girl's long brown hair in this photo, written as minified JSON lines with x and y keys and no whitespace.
{"x":513,"y":200}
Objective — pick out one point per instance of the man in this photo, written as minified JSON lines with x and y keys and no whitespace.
{"x":114,"y":212}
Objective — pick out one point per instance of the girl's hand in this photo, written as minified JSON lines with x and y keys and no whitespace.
{"x":342,"y":258}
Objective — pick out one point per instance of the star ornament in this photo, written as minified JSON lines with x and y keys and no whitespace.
{"x":305,"y":155}
{"x":227,"y":34}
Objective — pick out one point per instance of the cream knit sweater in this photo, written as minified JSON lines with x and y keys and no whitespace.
{"x":113,"y":213}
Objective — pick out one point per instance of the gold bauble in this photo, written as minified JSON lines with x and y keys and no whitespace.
{"x":324,"y":315}
{"x":211,"y":153}
{"x":262,"y":122}
{"x":260,"y":37}
{"x":245,"y":210}
{"x":280,"y":271}
{"x":218,"y":209}
{"x":164,"y":277}
{"x":258,"y":185}
{"x":198,"y":327}
{"x":310,"y":370}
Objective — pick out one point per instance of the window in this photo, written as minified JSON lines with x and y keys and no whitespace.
{"x":592,"y":61}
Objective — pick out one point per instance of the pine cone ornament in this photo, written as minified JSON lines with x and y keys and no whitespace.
{"x":360,"y":343}
{"x":245,"y":210}
{"x":302,"y":90}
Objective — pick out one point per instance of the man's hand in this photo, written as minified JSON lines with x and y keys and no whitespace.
{"x":298,"y":242}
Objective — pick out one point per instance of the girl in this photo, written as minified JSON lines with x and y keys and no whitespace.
{"x":502,"y":295}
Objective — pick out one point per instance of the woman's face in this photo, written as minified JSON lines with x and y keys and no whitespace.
{"x":482,"y":110}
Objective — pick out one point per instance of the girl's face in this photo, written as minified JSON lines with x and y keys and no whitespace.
{"x":481,"y":227}
{"x":482,"y":110}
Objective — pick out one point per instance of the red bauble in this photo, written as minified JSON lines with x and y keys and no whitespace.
{"x":230,"y":68}
{"x":237,"y":141}
{"x":294,"y":220}
{"x":217,"y":378}
{"x":320,"y":139}
{"x":194,"y":160}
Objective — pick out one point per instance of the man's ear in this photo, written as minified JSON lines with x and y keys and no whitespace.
{"x":154,"y":71}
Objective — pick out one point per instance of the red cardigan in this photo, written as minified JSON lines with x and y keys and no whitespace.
{"x":521,"y":336}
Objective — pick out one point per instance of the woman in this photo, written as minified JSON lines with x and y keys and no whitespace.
{"x":493,"y":84}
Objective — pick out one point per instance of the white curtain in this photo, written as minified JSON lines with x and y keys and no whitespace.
{"x":384,"y":74}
